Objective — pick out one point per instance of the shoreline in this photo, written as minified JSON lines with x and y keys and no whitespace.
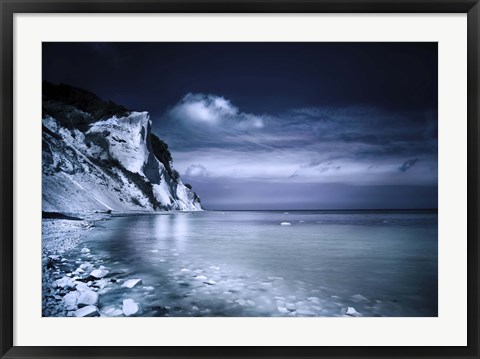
{"x":73,"y":283}
{"x":77,"y":272}
{"x":74,"y":279}
{"x":60,"y":236}
{"x":72,"y":287}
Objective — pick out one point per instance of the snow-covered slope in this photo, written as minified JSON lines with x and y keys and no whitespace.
{"x":108,"y":163}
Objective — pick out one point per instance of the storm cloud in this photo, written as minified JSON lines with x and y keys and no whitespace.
{"x":278,"y":125}
{"x":321,"y":145}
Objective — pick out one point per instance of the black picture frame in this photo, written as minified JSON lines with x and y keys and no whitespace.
{"x":11,"y":7}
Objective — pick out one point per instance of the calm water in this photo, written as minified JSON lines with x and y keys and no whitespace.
{"x":248,"y":264}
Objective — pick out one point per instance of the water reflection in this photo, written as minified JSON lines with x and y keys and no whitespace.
{"x":247,"y":264}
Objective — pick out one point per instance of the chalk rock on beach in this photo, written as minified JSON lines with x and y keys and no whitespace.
{"x":65,"y":282}
{"x":111,"y":311}
{"x":101,"y":283}
{"x":130,"y":308}
{"x":131,"y":283}
{"x":81,"y":287}
{"x":78,"y":271}
{"x":352,"y":312}
{"x":99,"y":273}
{"x":88,"y":311}
{"x":70,"y":299}
{"x":85,"y":265}
{"x":87,"y":298}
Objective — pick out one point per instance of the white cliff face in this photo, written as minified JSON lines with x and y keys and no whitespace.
{"x":127,"y":139}
{"x":110,"y":166}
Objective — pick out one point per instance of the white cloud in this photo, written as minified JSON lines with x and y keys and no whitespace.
{"x":213,"y":110}
{"x":353,"y":145}
{"x":196,"y":171}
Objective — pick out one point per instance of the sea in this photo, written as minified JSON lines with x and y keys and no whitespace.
{"x":272,"y":263}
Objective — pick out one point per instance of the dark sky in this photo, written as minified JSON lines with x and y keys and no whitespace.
{"x":278,"y":125}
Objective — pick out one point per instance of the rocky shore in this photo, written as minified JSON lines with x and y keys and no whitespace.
{"x":79,"y":280}
{"x":73,"y":278}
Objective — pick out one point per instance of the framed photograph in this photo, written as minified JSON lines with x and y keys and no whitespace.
{"x":239,"y":179}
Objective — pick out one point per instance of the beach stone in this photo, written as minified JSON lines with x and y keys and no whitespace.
{"x":116,"y":313}
{"x":111,"y":311}
{"x":107,"y":309}
{"x":130,"y":308}
{"x":87,"y":298}
{"x":70,"y":299}
{"x":99,"y":273}
{"x":65,"y":282}
{"x":102,"y":283}
{"x":85,"y":265}
{"x":88,"y":311}
{"x":50,"y":264}
{"x":131,"y":283}
{"x":81,"y":287}
{"x":352,"y":312}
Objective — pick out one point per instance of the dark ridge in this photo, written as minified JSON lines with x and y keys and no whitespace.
{"x":161,"y":152}
{"x":51,"y":133}
{"x":75,"y":107}
{"x":58,"y":215}
{"x":144,"y":186}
